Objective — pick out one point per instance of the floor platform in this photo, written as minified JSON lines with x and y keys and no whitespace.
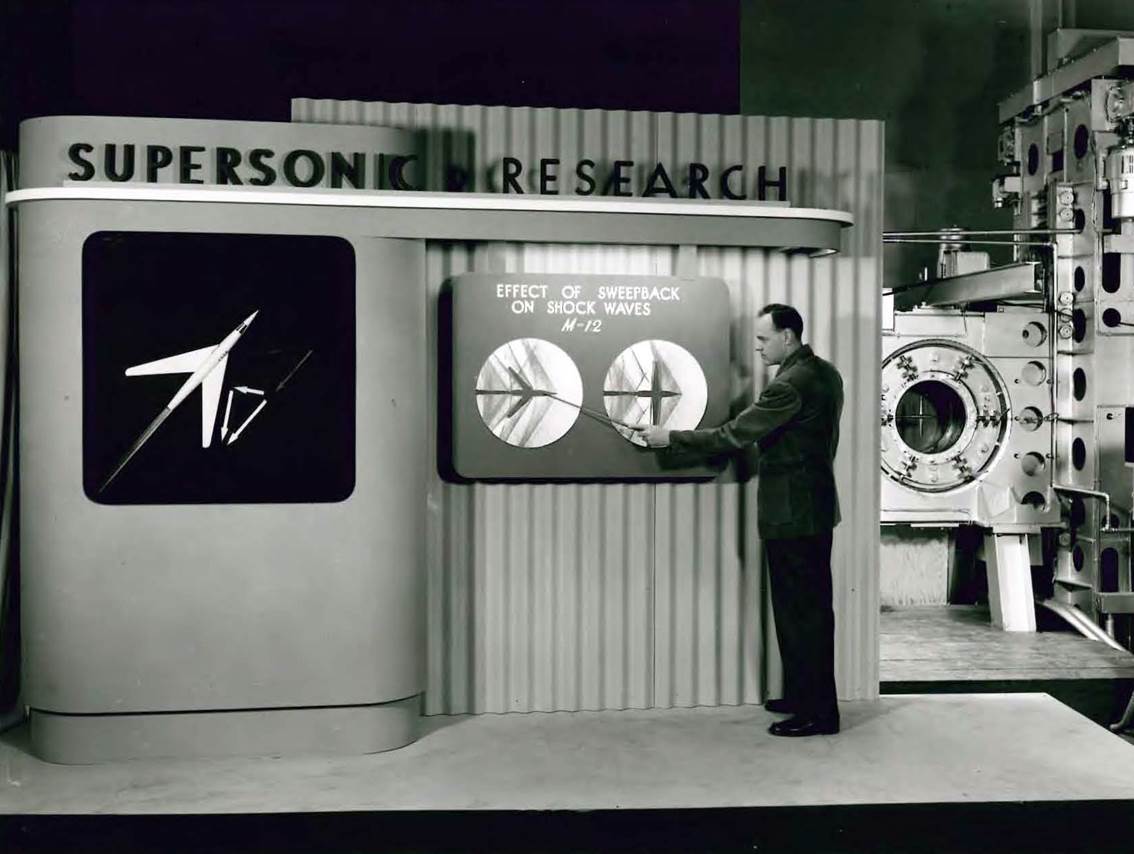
{"x":956,"y":649}
{"x":959,"y":643}
{"x":717,"y":767}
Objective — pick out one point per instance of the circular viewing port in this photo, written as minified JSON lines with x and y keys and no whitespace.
{"x":1032,"y":463}
{"x":1035,"y":500}
{"x":1030,"y":419}
{"x":1111,"y":318}
{"x":1034,"y":334}
{"x":930,"y":417}
{"x":1034,"y":373}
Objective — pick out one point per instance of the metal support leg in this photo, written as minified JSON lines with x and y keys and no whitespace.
{"x":1010,"y":594}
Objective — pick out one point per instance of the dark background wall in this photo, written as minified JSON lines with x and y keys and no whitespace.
{"x":933,"y":71}
{"x":245,"y":59}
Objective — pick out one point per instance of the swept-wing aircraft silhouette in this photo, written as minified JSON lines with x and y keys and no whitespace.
{"x":523,"y":393}
{"x":206,"y":369}
{"x":197,"y":364}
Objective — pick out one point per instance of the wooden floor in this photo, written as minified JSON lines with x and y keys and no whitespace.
{"x":957,"y":643}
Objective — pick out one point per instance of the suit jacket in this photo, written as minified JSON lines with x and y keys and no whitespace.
{"x":795,"y":423}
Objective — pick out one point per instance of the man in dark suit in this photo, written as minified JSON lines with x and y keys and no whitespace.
{"x":795,"y":424}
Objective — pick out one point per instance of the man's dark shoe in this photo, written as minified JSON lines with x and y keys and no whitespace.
{"x":799,"y":727}
{"x":780,"y":707}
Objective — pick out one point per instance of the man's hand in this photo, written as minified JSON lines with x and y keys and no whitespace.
{"x":656,"y":437}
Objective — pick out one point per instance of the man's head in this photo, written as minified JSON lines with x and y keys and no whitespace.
{"x":779,"y":330}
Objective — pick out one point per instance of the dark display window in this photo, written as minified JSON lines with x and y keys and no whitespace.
{"x":250,"y":337}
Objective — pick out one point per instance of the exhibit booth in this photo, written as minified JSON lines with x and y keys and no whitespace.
{"x":330,"y":424}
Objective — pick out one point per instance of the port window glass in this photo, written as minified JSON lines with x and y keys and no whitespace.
{"x":930,"y":417}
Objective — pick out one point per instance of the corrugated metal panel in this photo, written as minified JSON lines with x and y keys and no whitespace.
{"x":569,"y":597}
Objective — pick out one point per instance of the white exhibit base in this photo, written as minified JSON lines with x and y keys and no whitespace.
{"x":87,"y":739}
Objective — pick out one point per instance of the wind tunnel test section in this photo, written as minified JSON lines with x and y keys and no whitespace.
{"x":1006,"y":389}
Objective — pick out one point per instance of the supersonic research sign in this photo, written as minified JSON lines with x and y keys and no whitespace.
{"x":194,"y":152}
{"x":218,"y":368}
{"x":552,"y":373}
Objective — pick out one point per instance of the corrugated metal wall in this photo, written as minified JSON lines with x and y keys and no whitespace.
{"x":566,"y":597}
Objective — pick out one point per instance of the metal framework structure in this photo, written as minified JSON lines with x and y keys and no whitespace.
{"x":1049,"y":341}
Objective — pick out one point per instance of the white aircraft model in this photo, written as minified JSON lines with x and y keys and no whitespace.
{"x":206,"y":366}
{"x":206,"y":369}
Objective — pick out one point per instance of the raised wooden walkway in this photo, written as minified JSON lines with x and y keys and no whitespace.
{"x":954,"y":649}
{"x":957,"y":643}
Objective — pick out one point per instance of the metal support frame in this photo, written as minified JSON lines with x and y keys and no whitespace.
{"x":1081,"y":623}
{"x":1010,"y":597}
{"x":1100,"y":62}
{"x":1011,"y":281}
{"x":946,"y":233}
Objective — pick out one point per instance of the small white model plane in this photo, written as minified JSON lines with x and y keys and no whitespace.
{"x":206,"y":369}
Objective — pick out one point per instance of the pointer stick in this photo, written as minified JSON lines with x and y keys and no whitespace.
{"x":593,"y":413}
{"x":141,"y":440}
{"x":264,"y":402}
{"x":291,"y":373}
{"x":602,"y":419}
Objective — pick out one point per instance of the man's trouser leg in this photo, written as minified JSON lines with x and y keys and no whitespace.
{"x":800,"y":573}
{"x":784,"y":611}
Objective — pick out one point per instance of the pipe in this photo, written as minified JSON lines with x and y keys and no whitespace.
{"x":967,"y":241}
{"x":998,"y":232}
{"x":1092,"y":493}
{"x":1050,"y":310}
{"x":1081,"y":622}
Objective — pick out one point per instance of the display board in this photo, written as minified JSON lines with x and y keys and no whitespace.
{"x":552,"y":374}
{"x":218,"y":368}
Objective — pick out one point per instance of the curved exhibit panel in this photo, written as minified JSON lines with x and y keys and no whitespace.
{"x":222,"y":492}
